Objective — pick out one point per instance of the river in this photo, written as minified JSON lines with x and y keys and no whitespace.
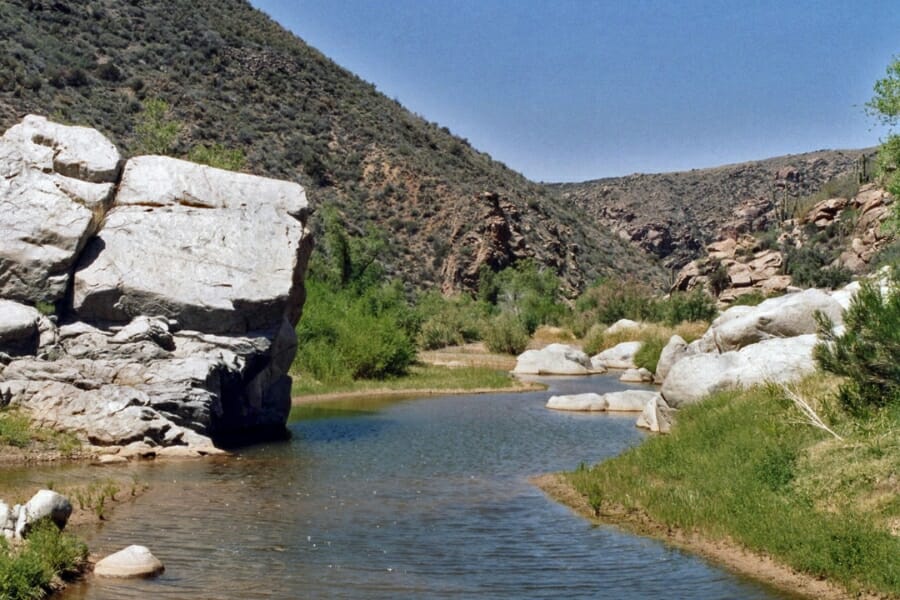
{"x":380,"y":498}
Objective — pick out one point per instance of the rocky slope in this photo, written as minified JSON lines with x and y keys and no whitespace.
{"x":675,"y":215}
{"x":151,"y":305}
{"x":845,"y":233}
{"x":233,"y":76}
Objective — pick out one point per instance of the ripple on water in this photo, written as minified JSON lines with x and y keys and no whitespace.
{"x":421,"y":499}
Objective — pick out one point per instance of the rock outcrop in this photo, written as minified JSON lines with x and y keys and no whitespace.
{"x":554,"y":359}
{"x":185,"y":287}
{"x":16,"y":522}
{"x":738,"y":263}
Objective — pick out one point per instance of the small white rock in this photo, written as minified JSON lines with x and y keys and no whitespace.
{"x":133,"y":561}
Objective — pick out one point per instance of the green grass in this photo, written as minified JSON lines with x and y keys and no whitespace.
{"x":420,"y":377}
{"x":26,"y":571}
{"x":741,"y":466}
{"x":16,"y":430}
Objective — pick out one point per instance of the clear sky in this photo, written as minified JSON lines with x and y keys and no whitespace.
{"x":570,"y":90}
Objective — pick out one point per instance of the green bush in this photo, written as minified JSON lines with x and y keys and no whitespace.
{"x":26,"y":572}
{"x":155,"y":130}
{"x":647,"y":355}
{"x":448,"y":321}
{"x":685,"y":306}
{"x":344,"y":336}
{"x":868,"y":351}
{"x":808,"y":267}
{"x":526,"y":290}
{"x":612,"y":300}
{"x":218,"y":156}
{"x":505,"y":334}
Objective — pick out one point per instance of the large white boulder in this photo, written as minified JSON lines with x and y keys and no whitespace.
{"x":782,"y":317}
{"x":777,"y":360}
{"x":622,"y":325}
{"x":554,"y":359}
{"x":624,"y":401}
{"x":133,"y":561}
{"x":56,"y":184}
{"x":674,"y":350}
{"x":620,"y":356}
{"x":219,"y":252}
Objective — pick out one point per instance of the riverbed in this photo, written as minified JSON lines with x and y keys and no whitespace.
{"x":395,"y":498}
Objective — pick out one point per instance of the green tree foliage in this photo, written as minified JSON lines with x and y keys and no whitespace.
{"x":506,"y":334}
{"x":27,"y":572}
{"x":449,"y":321}
{"x":868,"y":351}
{"x":885,"y":106}
{"x":155,"y":129}
{"x":525,"y":290}
{"x":356,"y":324}
{"x":809,"y":267}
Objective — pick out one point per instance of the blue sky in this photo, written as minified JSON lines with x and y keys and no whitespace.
{"x":571,"y":90}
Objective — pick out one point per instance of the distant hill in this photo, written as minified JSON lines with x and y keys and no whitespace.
{"x":234,"y":76}
{"x":674,"y":215}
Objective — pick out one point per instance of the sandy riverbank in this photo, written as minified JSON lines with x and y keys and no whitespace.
{"x":721,"y":552}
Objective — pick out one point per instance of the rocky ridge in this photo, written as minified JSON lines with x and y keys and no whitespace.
{"x":673,"y":216}
{"x":752,"y":265}
{"x":151,"y":305}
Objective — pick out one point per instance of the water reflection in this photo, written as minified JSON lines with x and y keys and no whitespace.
{"x":406,"y":499}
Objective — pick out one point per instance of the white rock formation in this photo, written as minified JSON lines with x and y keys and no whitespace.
{"x":641,"y":375}
{"x":624,"y":401}
{"x":782,"y":317}
{"x":56,"y":184}
{"x":130,"y":562}
{"x":778,"y":360}
{"x":554,"y":359}
{"x":180,"y":330}
{"x":656,"y":416}
{"x":620,"y":356}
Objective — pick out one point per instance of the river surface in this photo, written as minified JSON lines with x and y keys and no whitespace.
{"x":384,"y":498}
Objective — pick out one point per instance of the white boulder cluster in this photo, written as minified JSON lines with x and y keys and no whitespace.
{"x":16,"y":522}
{"x":745,"y":346}
{"x":151,"y":302}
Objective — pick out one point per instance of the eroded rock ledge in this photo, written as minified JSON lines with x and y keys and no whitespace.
{"x":150,"y":302}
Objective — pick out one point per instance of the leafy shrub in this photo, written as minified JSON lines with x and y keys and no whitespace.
{"x":448,"y":321}
{"x":505,"y":334}
{"x":868,"y":352}
{"x":753,"y":298}
{"x":612,"y":300}
{"x":648,"y":354}
{"x":808,"y":267}
{"x":155,"y":130}
{"x":27,"y":572}
{"x":526,"y":290}
{"x":685,"y":306}
{"x":344,"y":336}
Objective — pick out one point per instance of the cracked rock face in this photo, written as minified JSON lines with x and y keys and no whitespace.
{"x":56,"y":184}
{"x":179,"y":329}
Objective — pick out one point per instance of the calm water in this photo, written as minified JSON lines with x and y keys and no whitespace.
{"x":405,"y":499}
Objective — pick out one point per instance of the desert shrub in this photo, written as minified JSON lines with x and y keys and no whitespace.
{"x":505,"y":334}
{"x":753,"y":298}
{"x":155,"y":130}
{"x":808,"y":267}
{"x":696,"y":305}
{"x":648,"y":354}
{"x":448,"y":321}
{"x":868,"y":351}
{"x":612,"y":300}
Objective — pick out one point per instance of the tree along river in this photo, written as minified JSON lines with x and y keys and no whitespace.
{"x":381,"y":498}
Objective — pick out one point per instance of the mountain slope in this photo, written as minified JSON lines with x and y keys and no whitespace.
{"x":674,"y":215}
{"x":233,"y":76}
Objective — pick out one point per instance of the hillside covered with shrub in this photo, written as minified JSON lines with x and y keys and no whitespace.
{"x":233,"y":77}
